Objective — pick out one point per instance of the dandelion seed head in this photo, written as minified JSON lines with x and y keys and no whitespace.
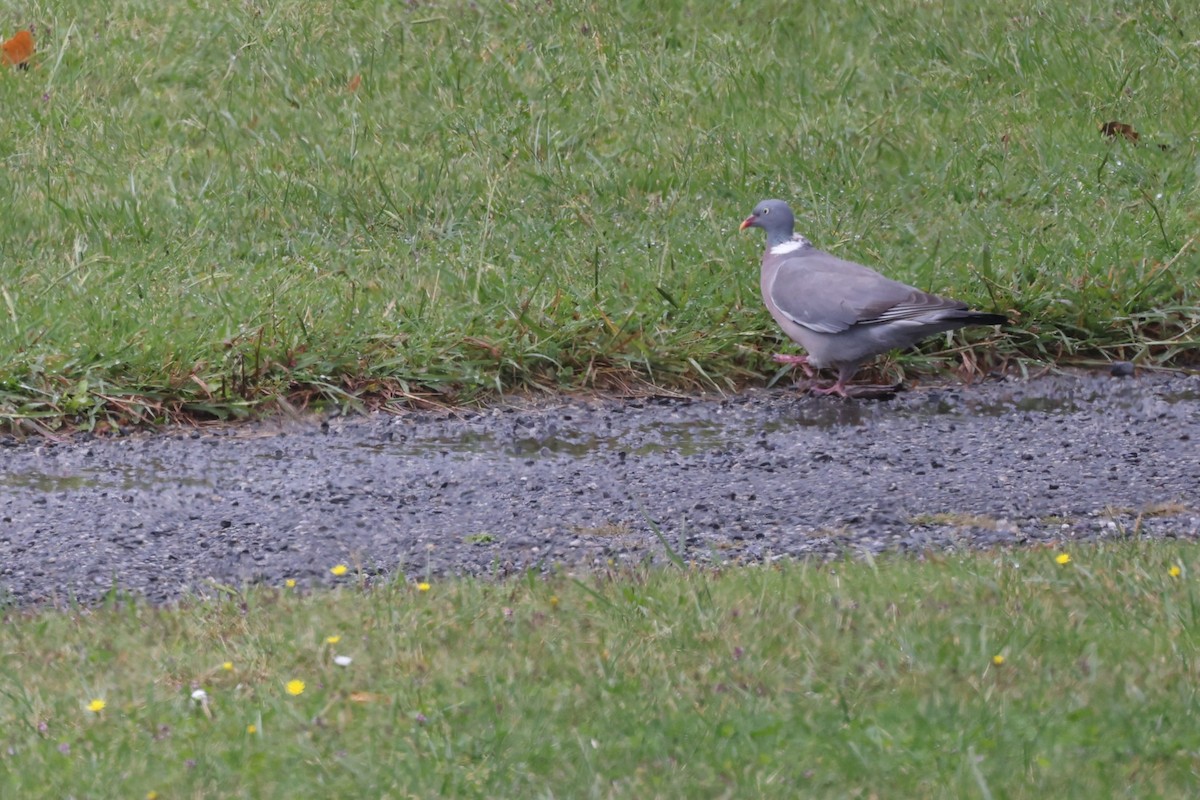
{"x":342,"y":661}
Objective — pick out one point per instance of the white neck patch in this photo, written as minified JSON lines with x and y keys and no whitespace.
{"x":797,"y":242}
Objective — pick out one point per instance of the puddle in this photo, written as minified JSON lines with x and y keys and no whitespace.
{"x":684,"y":430}
{"x":1181,"y":397}
{"x":1041,"y":405}
{"x":682,"y":437}
{"x":1127,"y":397}
{"x":719,"y":430}
{"x":551,"y":436}
{"x":45,"y":483}
{"x":121,"y":479}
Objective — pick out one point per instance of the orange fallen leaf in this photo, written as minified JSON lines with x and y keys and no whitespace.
{"x":354,"y":83}
{"x":19,"y":49}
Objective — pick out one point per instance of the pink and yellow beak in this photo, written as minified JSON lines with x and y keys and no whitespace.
{"x":748,"y":222}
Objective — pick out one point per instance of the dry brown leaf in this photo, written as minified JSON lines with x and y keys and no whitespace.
{"x":19,"y":49}
{"x":1114,"y":129}
{"x":366,"y":697}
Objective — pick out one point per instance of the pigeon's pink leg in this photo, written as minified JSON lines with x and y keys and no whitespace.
{"x":800,"y":361}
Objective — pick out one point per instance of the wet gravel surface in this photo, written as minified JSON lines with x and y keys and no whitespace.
{"x":579,"y":484}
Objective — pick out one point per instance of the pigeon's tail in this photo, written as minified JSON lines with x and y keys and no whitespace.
{"x":981,"y":318}
{"x":953,"y":319}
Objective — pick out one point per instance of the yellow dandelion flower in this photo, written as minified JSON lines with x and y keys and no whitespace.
{"x":96,"y":706}
{"x":554,"y":601}
{"x":290,"y":583}
{"x":423,"y":587}
{"x":339,"y":570}
{"x":997,"y":659}
{"x":252,"y":729}
{"x":295,"y":687}
{"x":1174,"y":571}
{"x":227,"y":666}
{"x":151,"y":795}
{"x":332,"y":639}
{"x":1062,"y":558}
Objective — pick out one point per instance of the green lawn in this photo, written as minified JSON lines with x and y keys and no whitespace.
{"x":998,"y":674}
{"x":216,"y":208}
{"x":208,"y":207}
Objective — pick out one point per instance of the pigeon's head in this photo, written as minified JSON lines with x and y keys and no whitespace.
{"x":774,"y":217}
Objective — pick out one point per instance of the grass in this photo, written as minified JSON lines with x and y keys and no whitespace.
{"x":1001,"y":674}
{"x":214,"y":208}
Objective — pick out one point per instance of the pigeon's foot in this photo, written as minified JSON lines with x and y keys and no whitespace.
{"x":799,"y":361}
{"x":838,"y":389}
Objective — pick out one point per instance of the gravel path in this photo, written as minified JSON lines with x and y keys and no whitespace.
{"x":577,"y":483}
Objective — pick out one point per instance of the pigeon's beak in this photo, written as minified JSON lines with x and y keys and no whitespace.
{"x":748,"y":222}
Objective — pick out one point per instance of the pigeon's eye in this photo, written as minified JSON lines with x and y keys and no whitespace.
{"x":766,"y":211}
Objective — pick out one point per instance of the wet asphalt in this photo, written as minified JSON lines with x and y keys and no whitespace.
{"x":579,"y":484}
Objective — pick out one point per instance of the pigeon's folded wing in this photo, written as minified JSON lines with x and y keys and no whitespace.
{"x":830,"y":295}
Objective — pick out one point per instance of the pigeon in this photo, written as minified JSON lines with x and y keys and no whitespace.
{"x":841,"y":312}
